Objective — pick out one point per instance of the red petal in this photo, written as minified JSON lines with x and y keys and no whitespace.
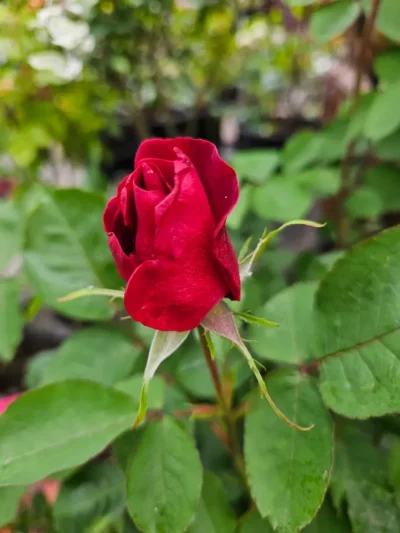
{"x":218,"y":178}
{"x":109,"y":215}
{"x":120,"y":240}
{"x":226,"y":256}
{"x":126,"y":202}
{"x":125,"y":264}
{"x":156,"y":178}
{"x":184,"y":217}
{"x":156,"y":149}
{"x":146,"y":202}
{"x":173,"y":295}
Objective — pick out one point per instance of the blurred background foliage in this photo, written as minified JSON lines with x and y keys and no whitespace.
{"x":301,"y":96}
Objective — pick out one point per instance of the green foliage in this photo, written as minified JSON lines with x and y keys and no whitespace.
{"x":156,"y":391}
{"x":387,"y":66}
{"x":293,"y":341}
{"x":255,"y":165}
{"x":10,"y":498}
{"x":253,"y":523}
{"x":280,"y":200}
{"x":384,"y":180}
{"x":357,"y":318}
{"x":365,"y":203}
{"x":384,"y":115}
{"x":327,"y":520}
{"x":214,"y":514}
{"x":10,"y":233}
{"x":191,"y":372}
{"x":333,"y":19}
{"x":301,"y":150}
{"x":104,"y":355}
{"x":389,"y":19}
{"x":289,"y":473}
{"x":93,"y":496}
{"x":59,"y":426}
{"x":164,"y":478}
{"x":65,"y":251}
{"x":359,"y":479}
{"x":11,"y":321}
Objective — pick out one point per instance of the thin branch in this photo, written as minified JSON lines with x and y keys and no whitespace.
{"x":200,"y":411}
{"x":228,"y":414}
{"x":213,"y":369}
{"x":344,"y":220}
{"x":363,"y":54}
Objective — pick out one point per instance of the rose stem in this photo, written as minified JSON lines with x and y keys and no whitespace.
{"x":228,"y":415}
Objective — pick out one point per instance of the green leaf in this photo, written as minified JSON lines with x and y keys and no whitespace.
{"x":11,"y":318}
{"x":320,"y":180}
{"x":333,"y":140}
{"x":256,"y":320}
{"x":365,"y":202}
{"x":360,"y":478}
{"x":236,"y":218}
{"x":10,"y":233}
{"x":387,"y":66}
{"x":256,"y":165}
{"x":281,"y":200}
{"x":95,"y":492}
{"x":164,"y":479}
{"x":66,"y":250}
{"x":59,"y":426}
{"x":164,"y":344}
{"x":333,"y":19}
{"x":192,"y":373}
{"x":36,"y":367}
{"x":388,"y":148}
{"x":244,"y":249}
{"x":394,"y":467}
{"x":253,"y":523}
{"x":176,"y":398}
{"x":358,"y":116}
{"x":210,"y":344}
{"x":317,"y":266}
{"x":384,"y":115}
{"x":10,"y":498}
{"x":385,"y":181}
{"x":389,"y":19}
{"x":302,"y":150}
{"x":288,"y":470}
{"x":214,"y":514}
{"x":156,"y":392}
{"x":293,"y":341}
{"x":124,"y":445}
{"x":100,"y":354}
{"x":357,"y":311}
{"x":327,"y":520}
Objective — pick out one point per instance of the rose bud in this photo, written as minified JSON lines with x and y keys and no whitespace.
{"x":166,"y":231}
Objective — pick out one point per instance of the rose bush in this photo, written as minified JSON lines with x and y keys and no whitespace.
{"x":166,"y":231}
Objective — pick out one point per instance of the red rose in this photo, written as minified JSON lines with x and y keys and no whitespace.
{"x":166,"y":231}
